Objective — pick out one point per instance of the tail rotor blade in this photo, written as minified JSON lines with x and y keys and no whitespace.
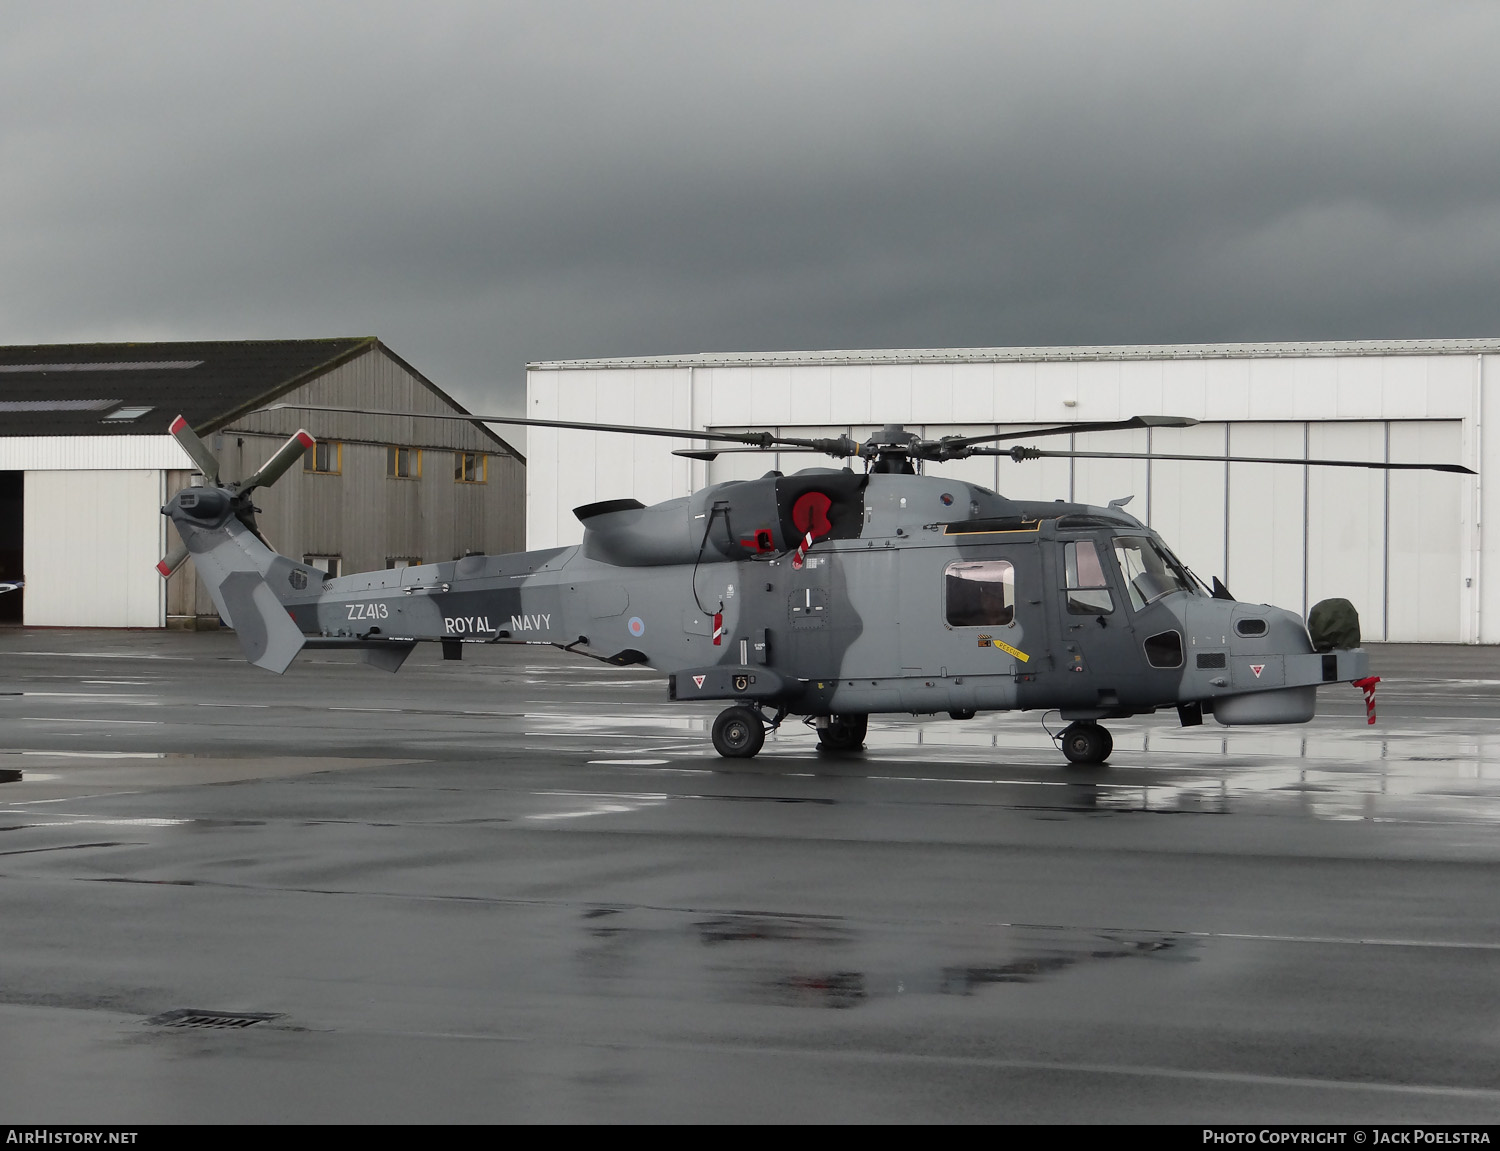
{"x":196,"y":448}
{"x":173,"y":560}
{"x":286,"y":455}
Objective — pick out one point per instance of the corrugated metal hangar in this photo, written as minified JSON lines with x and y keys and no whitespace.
{"x":86,"y":463}
{"x":1408,"y":548}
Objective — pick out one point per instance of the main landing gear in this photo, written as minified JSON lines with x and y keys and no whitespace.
{"x":843,"y":733}
{"x":1085,"y":742}
{"x":740,"y":731}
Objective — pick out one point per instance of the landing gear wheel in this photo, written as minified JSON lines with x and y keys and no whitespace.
{"x":844,"y":733}
{"x":738,"y":733}
{"x":1086,"y":743}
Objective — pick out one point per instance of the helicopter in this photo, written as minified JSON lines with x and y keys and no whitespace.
{"x":827,"y":594}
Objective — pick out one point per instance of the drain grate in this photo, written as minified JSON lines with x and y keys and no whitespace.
{"x":192,"y":1017}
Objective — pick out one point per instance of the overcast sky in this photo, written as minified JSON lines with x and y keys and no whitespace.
{"x":484,"y":184}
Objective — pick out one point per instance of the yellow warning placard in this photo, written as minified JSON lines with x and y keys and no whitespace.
{"x":1017,"y":652}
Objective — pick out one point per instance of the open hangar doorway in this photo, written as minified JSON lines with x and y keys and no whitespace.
{"x":12,"y":551}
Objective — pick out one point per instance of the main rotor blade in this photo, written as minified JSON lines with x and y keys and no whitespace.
{"x":756,"y":439}
{"x":1019,"y":453}
{"x":1068,"y":429}
{"x":286,"y":455}
{"x":207,"y":462}
{"x":709,"y":454}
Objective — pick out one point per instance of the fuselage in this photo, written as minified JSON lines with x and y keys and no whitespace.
{"x":914,"y":594}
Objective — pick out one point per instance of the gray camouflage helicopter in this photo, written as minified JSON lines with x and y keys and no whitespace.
{"x":826,"y":594}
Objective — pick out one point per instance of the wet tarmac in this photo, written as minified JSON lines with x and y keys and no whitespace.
{"x":524,"y":888}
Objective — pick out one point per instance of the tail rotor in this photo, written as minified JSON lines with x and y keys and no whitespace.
{"x":239,"y":492}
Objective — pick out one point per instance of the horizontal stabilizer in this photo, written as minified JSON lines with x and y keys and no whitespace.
{"x":386,"y":654}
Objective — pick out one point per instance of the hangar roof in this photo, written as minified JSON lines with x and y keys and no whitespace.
{"x":1021,"y":355}
{"x":136,"y":388}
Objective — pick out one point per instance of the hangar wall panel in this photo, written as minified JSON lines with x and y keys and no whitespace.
{"x":92,"y":542}
{"x":80,"y":453}
{"x":1188,"y":499}
{"x":1345,"y":528}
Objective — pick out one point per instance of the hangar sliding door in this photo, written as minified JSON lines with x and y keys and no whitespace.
{"x":1424,"y":586}
{"x":92,"y":542}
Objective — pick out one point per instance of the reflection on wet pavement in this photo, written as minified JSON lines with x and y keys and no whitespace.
{"x":823,"y":962}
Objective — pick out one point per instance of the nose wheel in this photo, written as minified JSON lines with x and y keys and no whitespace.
{"x":1085,"y":743}
{"x":739,"y":732}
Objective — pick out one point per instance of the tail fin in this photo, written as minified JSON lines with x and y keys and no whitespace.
{"x":233,"y":563}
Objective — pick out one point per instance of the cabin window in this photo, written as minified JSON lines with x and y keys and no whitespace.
{"x":469,"y":467}
{"x":403,"y":463}
{"x":1150,"y":571}
{"x":326,"y":457}
{"x":1088,"y":591}
{"x":980,"y":593}
{"x":1164,"y":649}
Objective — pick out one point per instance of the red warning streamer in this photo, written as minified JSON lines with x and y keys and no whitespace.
{"x":802,"y":551}
{"x":1367,"y":685}
{"x":718,"y":628}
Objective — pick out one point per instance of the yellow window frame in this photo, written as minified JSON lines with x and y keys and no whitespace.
{"x":416,"y":472}
{"x":310,"y":458}
{"x":482,"y":467}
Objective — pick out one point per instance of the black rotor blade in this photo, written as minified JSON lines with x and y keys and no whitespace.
{"x":1019,"y":453}
{"x":708,"y":454}
{"x":759,"y":440}
{"x":1067,"y":429}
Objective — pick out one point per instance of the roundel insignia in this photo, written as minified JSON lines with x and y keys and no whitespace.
{"x":947,"y":498}
{"x":637,"y":626}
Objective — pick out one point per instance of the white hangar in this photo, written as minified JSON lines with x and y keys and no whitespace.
{"x":86,"y":463}
{"x":1410,"y":549}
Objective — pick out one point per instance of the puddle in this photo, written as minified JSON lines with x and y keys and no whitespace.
{"x":822,"y":962}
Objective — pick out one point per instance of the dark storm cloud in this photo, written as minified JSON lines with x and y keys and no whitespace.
{"x":486,"y":184}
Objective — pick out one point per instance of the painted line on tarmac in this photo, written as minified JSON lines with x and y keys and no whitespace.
{"x":1136,"y":1071}
{"x":1340,"y":941}
{"x":75,"y":719}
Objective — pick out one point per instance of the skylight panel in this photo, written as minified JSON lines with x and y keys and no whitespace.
{"x":56,"y":405}
{"x":111,"y":366}
{"x":129,"y":412}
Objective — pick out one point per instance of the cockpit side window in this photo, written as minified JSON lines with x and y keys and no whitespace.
{"x":1088,"y":590}
{"x":1150,"y":571}
{"x":980,"y":593}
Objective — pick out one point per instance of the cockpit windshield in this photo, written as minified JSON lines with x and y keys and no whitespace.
{"x":1150,"y":570}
